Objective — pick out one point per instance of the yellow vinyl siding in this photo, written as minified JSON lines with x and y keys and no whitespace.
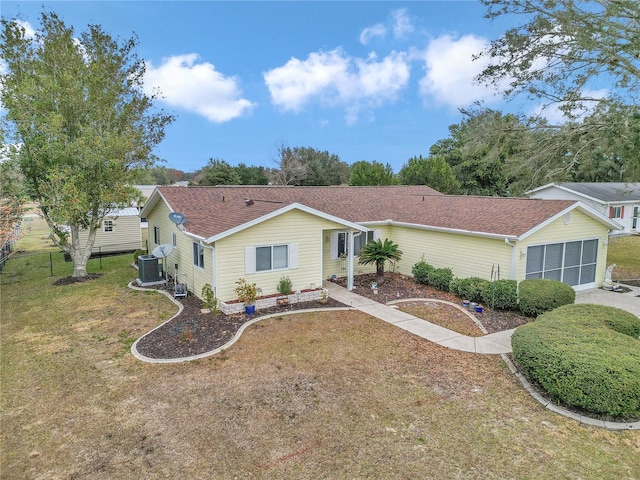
{"x":581,"y":227}
{"x":466,"y":255}
{"x":294,"y":226}
{"x":126,"y":235}
{"x":332,"y":267}
{"x":182,"y":255}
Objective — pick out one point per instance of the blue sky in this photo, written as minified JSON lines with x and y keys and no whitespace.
{"x":364,"y":80}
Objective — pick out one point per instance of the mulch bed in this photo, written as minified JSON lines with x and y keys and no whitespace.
{"x":396,"y":287}
{"x":193,"y":333}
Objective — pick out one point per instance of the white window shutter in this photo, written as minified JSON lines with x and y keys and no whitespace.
{"x":334,"y":246}
{"x":293,"y":255}
{"x":249,"y":260}
{"x":377,"y":234}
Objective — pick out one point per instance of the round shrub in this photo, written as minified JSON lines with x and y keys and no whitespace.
{"x":501,"y":294}
{"x":539,"y":295}
{"x":421,"y":272}
{"x":581,"y":357}
{"x":469,"y":288}
{"x":440,"y":278}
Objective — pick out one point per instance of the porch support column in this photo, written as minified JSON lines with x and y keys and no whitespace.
{"x":350,"y":261}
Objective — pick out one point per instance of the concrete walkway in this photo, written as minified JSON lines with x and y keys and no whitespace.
{"x":495,"y":343}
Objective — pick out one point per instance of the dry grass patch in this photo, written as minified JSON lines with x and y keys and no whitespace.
{"x":444,"y":315}
{"x":307,"y":396}
{"x":623,"y":251}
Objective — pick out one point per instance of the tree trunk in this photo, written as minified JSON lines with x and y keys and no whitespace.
{"x":80,"y":253}
{"x":380,"y":273}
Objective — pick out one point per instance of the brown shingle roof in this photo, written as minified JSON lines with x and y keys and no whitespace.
{"x":213,"y":210}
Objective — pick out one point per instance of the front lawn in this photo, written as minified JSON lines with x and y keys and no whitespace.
{"x":624,"y":251}
{"x":306,"y":396}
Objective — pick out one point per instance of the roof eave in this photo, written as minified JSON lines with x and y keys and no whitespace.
{"x":280,"y":211}
{"x":586,"y":209}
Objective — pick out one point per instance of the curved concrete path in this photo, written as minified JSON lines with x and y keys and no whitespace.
{"x":495,"y":343}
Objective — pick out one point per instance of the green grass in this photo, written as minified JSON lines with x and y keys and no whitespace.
{"x":306,"y":396}
{"x":624,"y":252}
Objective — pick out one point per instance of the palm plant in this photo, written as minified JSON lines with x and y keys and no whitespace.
{"x":378,"y":252}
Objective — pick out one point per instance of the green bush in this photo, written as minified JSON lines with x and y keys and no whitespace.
{"x":537,"y":296}
{"x":581,"y":357}
{"x":501,"y":294}
{"x":421,"y":271}
{"x":469,"y":288}
{"x":440,"y":278}
{"x":136,"y":254}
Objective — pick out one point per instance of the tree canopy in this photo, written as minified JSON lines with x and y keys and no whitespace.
{"x":76,"y":107}
{"x":434,"y":172}
{"x":219,"y":172}
{"x":365,"y":173}
{"x":581,"y":58}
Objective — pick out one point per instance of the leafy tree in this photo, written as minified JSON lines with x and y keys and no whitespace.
{"x":156,"y":176}
{"x":365,"y":173}
{"x":433,"y":171}
{"x":219,"y":172}
{"x":251,"y":175}
{"x":12,"y":197}
{"x":322,"y":168}
{"x":77,"y":108}
{"x":484,"y":151}
{"x":556,"y":54}
{"x":308,"y":166}
{"x":378,"y":252}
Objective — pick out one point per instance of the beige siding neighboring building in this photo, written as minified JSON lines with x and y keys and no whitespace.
{"x":119,"y":232}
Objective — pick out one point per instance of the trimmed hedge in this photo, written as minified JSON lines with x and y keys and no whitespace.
{"x":440,"y":278}
{"x":583,"y":356}
{"x":501,"y":294}
{"x":469,"y":288}
{"x":537,"y":296}
{"x":421,"y":272}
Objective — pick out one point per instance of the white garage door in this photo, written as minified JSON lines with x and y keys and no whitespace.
{"x":573,"y":263}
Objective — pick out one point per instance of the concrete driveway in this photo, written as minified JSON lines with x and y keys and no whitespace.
{"x":629,"y":301}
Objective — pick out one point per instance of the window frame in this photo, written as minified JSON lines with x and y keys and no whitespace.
{"x":198,"y":255}
{"x":107,"y":226}
{"x":583,"y":269}
{"x":616,"y":213}
{"x":156,"y":235}
{"x":272,"y":258}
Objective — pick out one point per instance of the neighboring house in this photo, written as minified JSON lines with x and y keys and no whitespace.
{"x":618,"y":201}
{"x":312,"y":233}
{"x":119,"y":232}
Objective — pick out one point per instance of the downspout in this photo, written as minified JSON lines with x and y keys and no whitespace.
{"x":512,"y":267}
{"x":350,"y":259}
{"x":213,"y":265}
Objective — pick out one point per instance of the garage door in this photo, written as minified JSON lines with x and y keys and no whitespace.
{"x":573,"y":263}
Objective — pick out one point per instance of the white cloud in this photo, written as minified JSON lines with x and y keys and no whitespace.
{"x":333,"y":78}
{"x":197,"y":87}
{"x":402,"y":24}
{"x":450,"y":71}
{"x":377,"y":30}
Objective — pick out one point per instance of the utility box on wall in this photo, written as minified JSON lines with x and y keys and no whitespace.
{"x":150,"y":269}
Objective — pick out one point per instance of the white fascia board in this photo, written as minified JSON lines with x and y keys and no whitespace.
{"x":543,"y":187}
{"x":280,"y":211}
{"x":587,"y":210}
{"x":568,"y":190}
{"x":151,"y":202}
{"x":456,"y":231}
